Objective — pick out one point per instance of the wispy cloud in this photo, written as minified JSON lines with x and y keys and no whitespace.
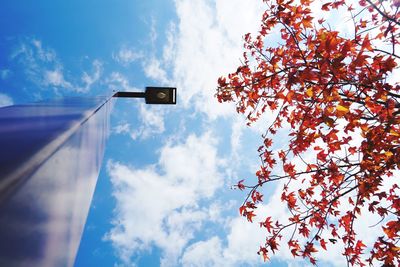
{"x":44,"y":54}
{"x":152,"y":122}
{"x":204,"y":253}
{"x":55,"y":78}
{"x":89,"y":79}
{"x":43,"y":68}
{"x":116,"y":81}
{"x":154,"y":70}
{"x":36,"y":61}
{"x":126,"y":56}
{"x":122,"y":128}
{"x":153,"y":31}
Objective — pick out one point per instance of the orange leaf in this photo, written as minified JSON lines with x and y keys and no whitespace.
{"x":342,"y":108}
{"x":309,"y":92}
{"x":366,"y":44}
{"x":250,"y":216}
{"x":392,"y":132}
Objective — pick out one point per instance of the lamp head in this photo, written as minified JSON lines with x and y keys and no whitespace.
{"x":160,"y":95}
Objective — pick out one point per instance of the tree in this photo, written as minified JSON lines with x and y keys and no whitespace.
{"x":335,"y":95}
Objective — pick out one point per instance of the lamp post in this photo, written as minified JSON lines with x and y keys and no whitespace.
{"x":50,"y":158}
{"x":153,"y":95}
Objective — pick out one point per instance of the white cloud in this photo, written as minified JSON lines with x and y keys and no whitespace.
{"x":43,"y":68}
{"x":89,"y":79}
{"x":55,"y":78}
{"x":240,"y":245}
{"x":122,"y":128}
{"x":44,"y":54}
{"x":36,"y":60}
{"x":118,"y":82}
{"x":236,"y":136}
{"x":125,"y":56}
{"x":153,"y":31}
{"x":168,"y":50}
{"x":154,"y":71}
{"x":152,"y":122}
{"x":242,"y":242}
{"x":5,"y":100}
{"x":204,"y":253}
{"x":157,"y":205}
{"x":32,"y":50}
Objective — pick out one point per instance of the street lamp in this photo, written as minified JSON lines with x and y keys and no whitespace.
{"x":153,"y":95}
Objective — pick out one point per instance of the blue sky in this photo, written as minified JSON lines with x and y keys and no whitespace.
{"x":164,"y":194}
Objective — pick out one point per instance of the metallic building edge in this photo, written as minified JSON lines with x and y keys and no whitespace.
{"x":41,"y":223}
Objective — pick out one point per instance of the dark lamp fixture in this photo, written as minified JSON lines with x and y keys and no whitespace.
{"x":153,"y":95}
{"x":160,"y":95}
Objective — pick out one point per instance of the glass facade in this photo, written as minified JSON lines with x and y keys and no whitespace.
{"x":50,"y":159}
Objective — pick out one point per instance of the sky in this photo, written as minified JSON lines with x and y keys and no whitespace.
{"x":164,"y":195}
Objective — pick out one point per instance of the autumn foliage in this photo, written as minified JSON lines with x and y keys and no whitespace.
{"x":332,"y":89}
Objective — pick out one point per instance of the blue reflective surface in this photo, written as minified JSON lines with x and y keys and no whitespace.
{"x":49,"y":162}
